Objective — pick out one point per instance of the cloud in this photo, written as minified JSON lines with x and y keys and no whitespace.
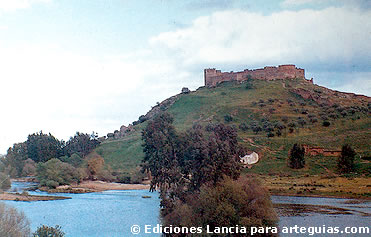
{"x":362,"y":4}
{"x":338,"y":35}
{"x":211,"y":4}
{"x":11,"y":5}
{"x":59,"y":91}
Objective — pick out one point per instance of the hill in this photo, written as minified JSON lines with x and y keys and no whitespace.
{"x":270,"y":117}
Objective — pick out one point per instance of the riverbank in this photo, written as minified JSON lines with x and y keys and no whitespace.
{"x":318,"y":186}
{"x":29,"y":198}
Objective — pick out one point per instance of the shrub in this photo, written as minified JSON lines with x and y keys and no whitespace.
{"x":13,"y":223}
{"x":55,"y":172}
{"x":346,"y":160}
{"x":296,"y":158}
{"x":244,"y":202}
{"x":326,"y":123}
{"x":313,"y":120}
{"x":243,"y":126}
{"x":228,"y":118}
{"x":48,"y":231}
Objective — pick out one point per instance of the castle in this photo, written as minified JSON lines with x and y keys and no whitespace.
{"x":213,"y":77}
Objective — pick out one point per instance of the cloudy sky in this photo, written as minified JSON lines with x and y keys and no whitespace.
{"x":93,"y":65}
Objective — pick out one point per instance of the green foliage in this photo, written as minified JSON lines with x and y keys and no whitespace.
{"x":207,"y":105}
{"x":296,"y":159}
{"x":48,"y":231}
{"x":42,"y":147}
{"x":228,"y":118}
{"x":15,"y":159}
{"x":185,"y":161}
{"x":12,"y":222}
{"x":75,"y":160}
{"x":81,"y":144}
{"x":346,"y":160}
{"x":244,"y":202}
{"x":55,"y":172}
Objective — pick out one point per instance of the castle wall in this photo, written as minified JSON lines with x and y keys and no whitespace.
{"x":213,"y":77}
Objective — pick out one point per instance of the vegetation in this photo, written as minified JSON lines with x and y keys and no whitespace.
{"x":296,"y":159}
{"x":12,"y":222}
{"x":210,"y":105}
{"x":48,"y":231}
{"x":195,"y":170}
{"x":4,"y":181}
{"x":229,"y":203}
{"x":55,"y":172}
{"x":346,"y":160}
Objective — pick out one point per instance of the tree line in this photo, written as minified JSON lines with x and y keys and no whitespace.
{"x":31,"y":156}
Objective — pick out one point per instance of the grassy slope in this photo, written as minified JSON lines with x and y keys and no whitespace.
{"x":212,"y":104}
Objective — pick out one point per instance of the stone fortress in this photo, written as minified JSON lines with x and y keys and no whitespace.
{"x":213,"y":77}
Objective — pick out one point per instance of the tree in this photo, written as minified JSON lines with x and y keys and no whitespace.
{"x":4,"y":181}
{"x":48,"y":231}
{"x":296,"y":158}
{"x":15,"y":158}
{"x":346,"y":159}
{"x":12,"y":222}
{"x":42,"y":147}
{"x":81,"y":144}
{"x":182,"y":162}
{"x":29,"y":168}
{"x":326,"y":123}
{"x":95,"y":165}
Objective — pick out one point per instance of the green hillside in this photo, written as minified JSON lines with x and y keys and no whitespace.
{"x":287,"y":111}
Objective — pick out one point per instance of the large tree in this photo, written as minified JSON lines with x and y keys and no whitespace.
{"x":296,"y":158}
{"x":15,"y":159}
{"x":346,"y":159}
{"x":182,"y":162}
{"x":42,"y":147}
{"x":81,"y":144}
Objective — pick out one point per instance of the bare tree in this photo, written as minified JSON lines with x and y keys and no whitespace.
{"x":13,"y":223}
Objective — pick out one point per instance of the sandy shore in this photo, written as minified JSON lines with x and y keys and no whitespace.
{"x":22,"y":197}
{"x":98,"y":186}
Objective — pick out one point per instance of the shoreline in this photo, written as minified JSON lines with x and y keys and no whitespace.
{"x":29,"y":198}
{"x":321,"y":196}
{"x":100,"y":186}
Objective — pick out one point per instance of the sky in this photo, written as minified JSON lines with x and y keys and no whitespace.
{"x":94,"y":65}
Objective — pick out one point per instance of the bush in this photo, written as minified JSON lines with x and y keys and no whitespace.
{"x":326,"y":123}
{"x":228,"y":118}
{"x":243,"y":126}
{"x":13,"y":223}
{"x":296,"y":158}
{"x":244,"y":202}
{"x":48,"y":231}
{"x":346,"y":160}
{"x":55,"y":172}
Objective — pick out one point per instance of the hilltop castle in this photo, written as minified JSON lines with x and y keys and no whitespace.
{"x":213,"y":77}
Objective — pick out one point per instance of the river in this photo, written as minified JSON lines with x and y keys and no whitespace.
{"x":112,"y":213}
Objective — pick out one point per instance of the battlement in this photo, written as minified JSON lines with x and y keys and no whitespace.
{"x":213,"y":77}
